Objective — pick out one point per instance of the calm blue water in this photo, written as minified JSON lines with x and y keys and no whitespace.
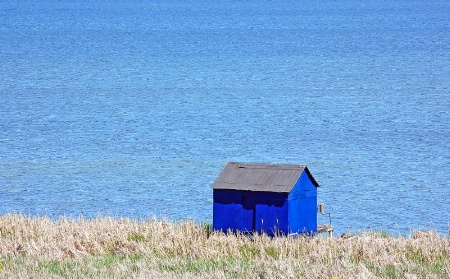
{"x":133,"y":108}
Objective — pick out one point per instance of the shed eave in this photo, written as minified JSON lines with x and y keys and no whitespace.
{"x":251,"y":189}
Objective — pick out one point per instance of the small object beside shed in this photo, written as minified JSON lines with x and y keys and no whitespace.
{"x":269,"y":198}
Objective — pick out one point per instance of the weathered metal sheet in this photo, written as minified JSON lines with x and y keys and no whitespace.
{"x":279,"y":178}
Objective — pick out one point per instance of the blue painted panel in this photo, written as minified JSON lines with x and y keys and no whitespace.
{"x":303,"y":215}
{"x":227,"y":217}
{"x":303,"y":206}
{"x":249,"y":205}
{"x":227,"y":195}
{"x":248,"y":211}
{"x":302,"y":194}
{"x":304,"y":183}
{"x":271,"y":215}
{"x":227,"y":210}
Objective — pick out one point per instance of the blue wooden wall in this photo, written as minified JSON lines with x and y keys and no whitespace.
{"x":269,"y":212}
{"x":248,"y":211}
{"x":303,"y":206}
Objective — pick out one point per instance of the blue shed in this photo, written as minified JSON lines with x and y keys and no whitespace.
{"x":270,"y":198}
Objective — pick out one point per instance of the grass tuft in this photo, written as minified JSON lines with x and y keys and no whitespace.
{"x":137,"y":237}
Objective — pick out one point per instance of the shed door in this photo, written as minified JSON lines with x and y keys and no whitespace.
{"x":266,"y":214}
{"x":270,"y":216}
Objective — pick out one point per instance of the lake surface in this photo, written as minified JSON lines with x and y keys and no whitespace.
{"x":133,"y":108}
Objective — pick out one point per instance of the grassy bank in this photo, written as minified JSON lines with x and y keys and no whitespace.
{"x":123,"y":248}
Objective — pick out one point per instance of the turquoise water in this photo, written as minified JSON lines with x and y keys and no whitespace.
{"x":132,"y":108}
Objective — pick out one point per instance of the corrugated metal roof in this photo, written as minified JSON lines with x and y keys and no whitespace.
{"x":279,"y":178}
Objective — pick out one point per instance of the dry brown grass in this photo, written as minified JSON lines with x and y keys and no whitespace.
{"x":123,"y":248}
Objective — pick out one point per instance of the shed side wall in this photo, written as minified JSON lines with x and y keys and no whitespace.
{"x":302,"y":209}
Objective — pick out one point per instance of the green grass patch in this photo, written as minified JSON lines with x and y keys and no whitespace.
{"x":249,"y":252}
{"x":107,"y":260}
{"x":55,"y":267}
{"x":136,"y":237}
{"x":431,"y":268}
{"x":207,"y":226}
{"x":135,"y":257}
{"x":7,"y":262}
{"x":415,"y":255}
{"x":356,"y":255}
{"x":390,"y":271}
{"x":272,"y":252}
{"x":198,"y":265}
{"x":400,"y":271}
